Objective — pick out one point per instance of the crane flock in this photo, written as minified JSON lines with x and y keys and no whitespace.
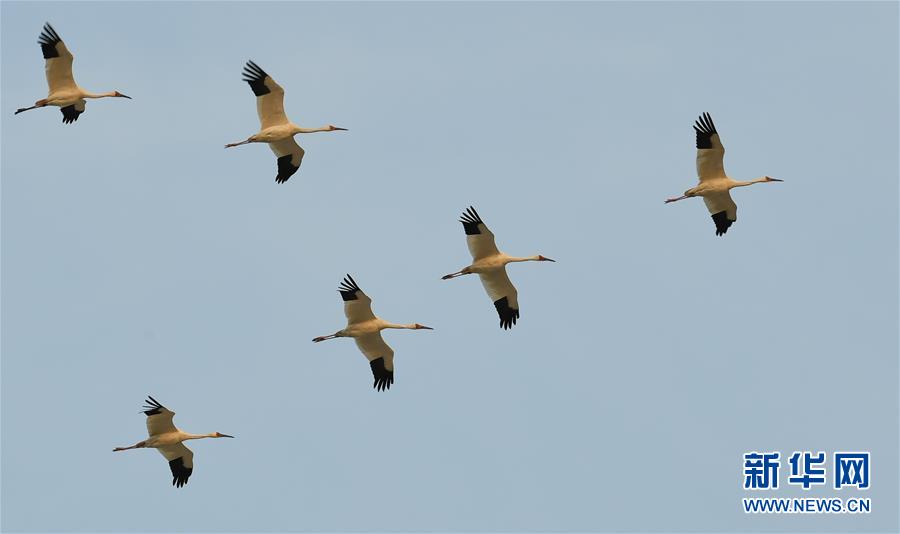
{"x":488,"y":262}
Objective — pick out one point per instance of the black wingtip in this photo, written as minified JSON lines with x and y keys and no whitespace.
{"x":152,"y":406}
{"x":723,"y":223}
{"x":348,"y":288}
{"x":705,"y":129}
{"x":255,"y":76}
{"x":382,"y":377}
{"x":470,"y":221}
{"x":286,"y":169}
{"x":508,"y":315}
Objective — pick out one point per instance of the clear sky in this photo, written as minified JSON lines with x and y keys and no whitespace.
{"x":139,"y":257}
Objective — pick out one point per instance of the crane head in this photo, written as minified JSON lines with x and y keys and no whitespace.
{"x":332,"y":128}
{"x":220,"y":435}
{"x":116,"y":93}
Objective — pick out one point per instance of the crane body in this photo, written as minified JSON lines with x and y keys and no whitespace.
{"x":275,"y":128}
{"x":490,"y":265}
{"x":169,"y":441}
{"x":63,"y":92}
{"x":365,"y":328}
{"x":715,"y":186}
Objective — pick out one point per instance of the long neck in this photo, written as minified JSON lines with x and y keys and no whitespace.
{"x":398,"y":326}
{"x":514,"y":259}
{"x":88,"y":94}
{"x":199,"y":436}
{"x":736,"y":183}
{"x":298,"y":129}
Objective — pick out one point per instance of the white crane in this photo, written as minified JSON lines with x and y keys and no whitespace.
{"x":714,"y":184}
{"x":64,"y":92}
{"x":365,"y":328}
{"x":168,"y":440}
{"x":275,"y":128}
{"x":490,"y":265}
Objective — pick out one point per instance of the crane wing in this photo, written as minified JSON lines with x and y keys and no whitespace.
{"x":159,"y":418}
{"x":58,"y":60}
{"x":723,"y":210}
{"x":479,"y":239}
{"x":289,"y":155}
{"x":181,"y":462}
{"x":357,"y":305}
{"x":381,"y":359}
{"x":504,"y":295}
{"x":710,"y":151}
{"x":269,"y":96}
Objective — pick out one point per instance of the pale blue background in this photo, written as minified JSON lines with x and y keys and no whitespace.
{"x":140,"y":257}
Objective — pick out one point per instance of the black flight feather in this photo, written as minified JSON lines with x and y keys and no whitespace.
{"x":383,"y":377}
{"x":285,"y":169}
{"x":153,"y":406}
{"x":180,"y":473}
{"x":508,"y":315}
{"x":723,"y":223}
{"x":48,"y":40}
{"x":70,"y":114}
{"x":348,"y":288}
{"x":470,"y":221}
{"x":256,"y":77}
{"x":705,"y":130}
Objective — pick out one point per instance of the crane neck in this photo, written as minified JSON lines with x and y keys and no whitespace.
{"x":88,"y":94}
{"x":736,"y":183}
{"x":387,"y":325}
{"x":515,"y":259}
{"x":298,"y":129}
{"x":188,"y":436}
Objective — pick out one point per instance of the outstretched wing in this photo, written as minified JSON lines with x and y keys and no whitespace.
{"x":381,"y":359}
{"x":504,"y":294}
{"x":723,"y":210}
{"x":478,"y":237}
{"x":357,"y":305}
{"x":289,"y":155}
{"x":58,"y":60}
{"x":181,"y":462}
{"x":159,"y":418}
{"x":710,"y":151}
{"x":269,"y":96}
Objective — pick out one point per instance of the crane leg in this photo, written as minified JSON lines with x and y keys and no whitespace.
{"x":137,"y":445}
{"x":452,"y":275}
{"x":682,"y":197}
{"x":323,"y":338}
{"x":229,"y":145}
{"x":38,"y":104}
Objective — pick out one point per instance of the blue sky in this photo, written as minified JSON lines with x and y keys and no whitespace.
{"x":139,"y":257}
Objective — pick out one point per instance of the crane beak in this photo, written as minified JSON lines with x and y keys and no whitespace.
{"x":423,"y":327}
{"x":774,"y":179}
{"x":542,"y":258}
{"x":224,"y":435}
{"x":339,"y":129}
{"x":123,"y":96}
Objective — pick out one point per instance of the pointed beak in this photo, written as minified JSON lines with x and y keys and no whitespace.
{"x":225,"y":435}
{"x":423,"y":327}
{"x":547,"y":259}
{"x":774,"y":179}
{"x":125,"y":96}
{"x":341,"y":129}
